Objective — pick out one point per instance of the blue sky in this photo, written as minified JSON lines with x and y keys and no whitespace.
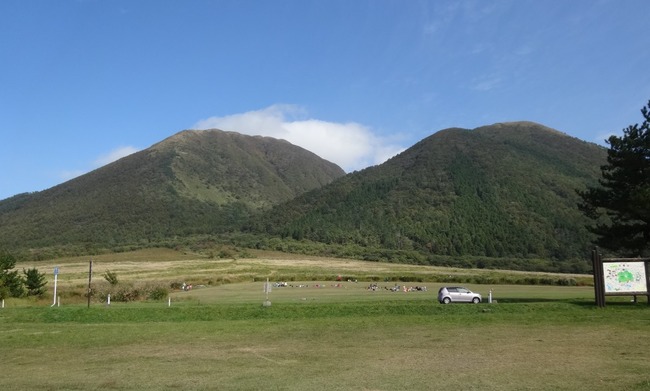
{"x":84,"y":82}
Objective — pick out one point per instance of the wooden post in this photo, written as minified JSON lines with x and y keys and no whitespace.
{"x":647,"y":280}
{"x":599,"y":279}
{"x":594,"y":266}
{"x":90,"y":277}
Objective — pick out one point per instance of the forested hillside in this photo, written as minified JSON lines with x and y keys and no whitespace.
{"x":506,"y":191}
{"x":497,"y":196}
{"x":195,"y":182}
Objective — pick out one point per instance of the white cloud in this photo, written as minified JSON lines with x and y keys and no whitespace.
{"x":114,"y":155}
{"x":351,"y":145}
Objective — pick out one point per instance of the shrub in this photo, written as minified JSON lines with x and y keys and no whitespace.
{"x":176,"y":285}
{"x":158,"y":293}
{"x":111,"y":277}
{"x":126,"y":294}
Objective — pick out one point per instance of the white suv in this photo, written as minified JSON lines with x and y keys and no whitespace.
{"x":448,"y":294}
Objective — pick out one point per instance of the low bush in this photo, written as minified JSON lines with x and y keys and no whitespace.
{"x":128,"y":292}
{"x":158,"y":293}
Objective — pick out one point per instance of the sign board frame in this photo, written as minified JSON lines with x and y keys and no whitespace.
{"x":620,"y":277}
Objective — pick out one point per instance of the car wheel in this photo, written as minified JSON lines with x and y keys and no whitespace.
{"x":446,"y":300}
{"x":476,"y":300}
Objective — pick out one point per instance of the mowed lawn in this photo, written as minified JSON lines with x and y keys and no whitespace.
{"x":223,"y":338}
{"x":325,"y":335}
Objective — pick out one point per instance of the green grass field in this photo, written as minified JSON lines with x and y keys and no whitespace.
{"x":221,"y":337}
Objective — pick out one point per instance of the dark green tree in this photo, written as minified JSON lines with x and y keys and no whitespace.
{"x":10,"y":282}
{"x":34,"y":282}
{"x":620,"y":206}
{"x":4,"y":292}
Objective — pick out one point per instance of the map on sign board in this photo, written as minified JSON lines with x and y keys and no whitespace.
{"x":625,"y":277}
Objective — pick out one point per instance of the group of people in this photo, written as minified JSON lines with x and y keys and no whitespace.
{"x":398,"y":288}
{"x":284,"y":284}
{"x":371,"y":287}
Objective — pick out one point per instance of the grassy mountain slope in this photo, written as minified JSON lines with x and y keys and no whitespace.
{"x":193,"y":182}
{"x":506,"y":190}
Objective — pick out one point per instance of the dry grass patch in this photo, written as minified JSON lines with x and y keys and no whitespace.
{"x":168,"y":267}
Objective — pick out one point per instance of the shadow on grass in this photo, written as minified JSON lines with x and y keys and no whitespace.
{"x":528,"y":300}
{"x":578,"y":302}
{"x":620,"y":303}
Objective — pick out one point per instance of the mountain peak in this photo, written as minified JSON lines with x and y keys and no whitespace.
{"x":523,"y":126}
{"x":196,"y":181}
{"x":503,"y":190}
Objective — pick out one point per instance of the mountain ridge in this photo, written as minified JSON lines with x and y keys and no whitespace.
{"x":191,"y":182}
{"x":501,"y":191}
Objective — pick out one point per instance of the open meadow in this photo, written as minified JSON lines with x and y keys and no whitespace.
{"x":320,"y":332}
